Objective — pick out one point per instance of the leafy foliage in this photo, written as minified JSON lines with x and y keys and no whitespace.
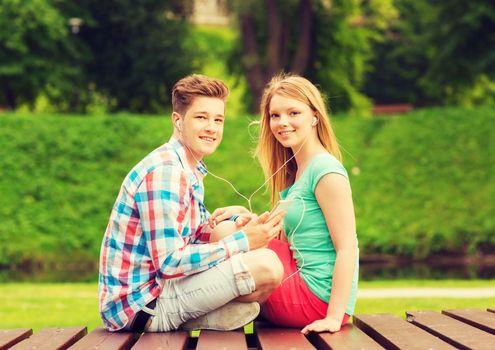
{"x":123,"y":55}
{"x":212,"y":45}
{"x":430,"y":174}
{"x":326,"y":41}
{"x":139,"y":50}
{"x":343,"y":49}
{"x":423,"y":183}
{"x":438,"y":52}
{"x":34,"y":50}
{"x":466,"y":40}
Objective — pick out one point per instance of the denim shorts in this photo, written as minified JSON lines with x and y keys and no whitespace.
{"x":192,"y":296}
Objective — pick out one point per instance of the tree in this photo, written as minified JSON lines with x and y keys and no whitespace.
{"x":401,"y":59}
{"x":463,"y":38}
{"x":139,"y":50}
{"x":128,"y":52}
{"x":34,"y":49}
{"x":327,"y":41}
{"x":439,"y":52}
{"x":346,"y":31}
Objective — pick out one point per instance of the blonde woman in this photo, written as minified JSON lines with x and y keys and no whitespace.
{"x":318,"y":247}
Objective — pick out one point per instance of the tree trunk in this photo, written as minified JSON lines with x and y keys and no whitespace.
{"x":303,"y":50}
{"x":9,"y":97}
{"x":284,"y":45}
{"x":251,"y":60}
{"x":274,"y":42}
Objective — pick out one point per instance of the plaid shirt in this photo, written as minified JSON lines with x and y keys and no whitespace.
{"x":157,"y":230}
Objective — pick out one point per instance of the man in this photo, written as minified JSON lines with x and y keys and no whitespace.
{"x":160,"y":267}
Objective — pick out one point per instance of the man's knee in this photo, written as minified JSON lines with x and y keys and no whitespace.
{"x":265,"y":267}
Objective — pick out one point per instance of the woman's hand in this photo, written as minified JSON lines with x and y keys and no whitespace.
{"x":221,"y":214}
{"x":261,"y":230}
{"x":245,"y":218}
{"x":328,"y":324}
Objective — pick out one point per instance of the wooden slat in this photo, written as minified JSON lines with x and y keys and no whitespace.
{"x":282,"y":339}
{"x":100,"y":339}
{"x":215,"y":340}
{"x":162,"y":341}
{"x":348,"y":338}
{"x":9,"y":337}
{"x":475,"y":317}
{"x":395,"y":333}
{"x":452,"y":331}
{"x":491,"y":309}
{"x":52,"y":338}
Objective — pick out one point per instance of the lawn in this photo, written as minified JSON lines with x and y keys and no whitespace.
{"x":72,"y":304}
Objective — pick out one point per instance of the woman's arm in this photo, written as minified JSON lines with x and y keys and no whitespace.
{"x":334,"y":197}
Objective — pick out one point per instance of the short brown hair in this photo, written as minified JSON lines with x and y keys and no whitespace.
{"x":186,"y":89}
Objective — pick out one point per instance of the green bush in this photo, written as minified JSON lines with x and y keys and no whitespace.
{"x":427,"y":184}
{"x":423,"y":183}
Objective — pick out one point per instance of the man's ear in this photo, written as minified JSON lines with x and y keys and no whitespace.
{"x":176,"y":120}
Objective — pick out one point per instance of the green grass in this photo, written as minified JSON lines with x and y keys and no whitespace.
{"x":64,"y":305}
{"x":49,"y":305}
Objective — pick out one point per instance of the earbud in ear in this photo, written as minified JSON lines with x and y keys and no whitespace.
{"x":177,"y":124}
{"x":315,"y":121}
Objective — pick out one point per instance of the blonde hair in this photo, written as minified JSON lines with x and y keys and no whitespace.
{"x":270,"y":153}
{"x":186,"y":89}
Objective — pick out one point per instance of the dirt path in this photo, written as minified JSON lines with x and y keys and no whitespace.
{"x":427,"y":293}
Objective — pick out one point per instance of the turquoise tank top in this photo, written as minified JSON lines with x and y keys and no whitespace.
{"x":311,"y":244}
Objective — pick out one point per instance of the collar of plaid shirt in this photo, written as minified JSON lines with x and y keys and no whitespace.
{"x":180,"y":149}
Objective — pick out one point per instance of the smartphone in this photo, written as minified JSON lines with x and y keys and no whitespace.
{"x":282,"y":204}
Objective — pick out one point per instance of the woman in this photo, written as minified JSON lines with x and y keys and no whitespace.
{"x":298,"y":151}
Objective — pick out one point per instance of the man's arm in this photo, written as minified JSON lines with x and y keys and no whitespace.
{"x":203,"y":233}
{"x":232,"y":213}
{"x":164,"y":207}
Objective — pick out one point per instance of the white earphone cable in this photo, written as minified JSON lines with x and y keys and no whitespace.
{"x":248,"y":199}
{"x":291,"y":236}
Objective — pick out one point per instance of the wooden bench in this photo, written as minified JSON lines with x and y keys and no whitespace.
{"x":450,"y":329}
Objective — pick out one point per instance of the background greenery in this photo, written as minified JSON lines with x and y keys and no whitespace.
{"x":126,"y":55}
{"x":435,"y":53}
{"x":422,"y":183}
{"x":117,"y":54}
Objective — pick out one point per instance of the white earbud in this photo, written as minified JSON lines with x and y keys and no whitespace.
{"x":315,"y":121}
{"x":177,"y":124}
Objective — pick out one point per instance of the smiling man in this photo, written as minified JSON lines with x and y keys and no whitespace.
{"x":160,"y":268}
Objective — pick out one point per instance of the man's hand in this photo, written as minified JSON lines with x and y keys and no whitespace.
{"x":327,"y":324}
{"x":224,"y":213}
{"x":260,"y":231}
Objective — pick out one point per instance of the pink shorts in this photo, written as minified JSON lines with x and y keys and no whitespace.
{"x":293,"y":304}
